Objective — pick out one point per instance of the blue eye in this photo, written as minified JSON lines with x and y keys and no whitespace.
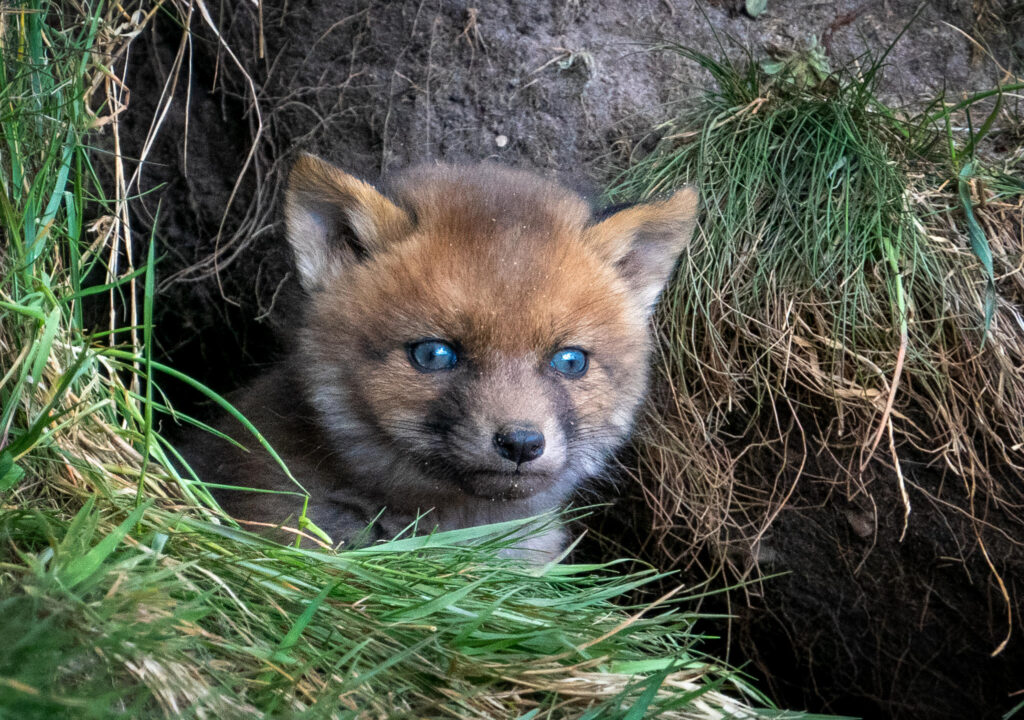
{"x":571,"y":362}
{"x":432,"y":355}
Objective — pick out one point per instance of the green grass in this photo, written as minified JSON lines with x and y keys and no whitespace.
{"x":802,"y":193}
{"x":123,"y":593}
{"x":190,"y":617}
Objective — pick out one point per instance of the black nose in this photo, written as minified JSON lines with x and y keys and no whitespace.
{"x":519,"y":445}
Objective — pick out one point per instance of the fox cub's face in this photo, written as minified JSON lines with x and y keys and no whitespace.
{"x":476,"y":332}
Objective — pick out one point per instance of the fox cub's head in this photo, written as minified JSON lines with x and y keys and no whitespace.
{"x":476,"y":332}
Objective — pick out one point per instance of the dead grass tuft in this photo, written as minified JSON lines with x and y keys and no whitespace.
{"x":837,"y":320}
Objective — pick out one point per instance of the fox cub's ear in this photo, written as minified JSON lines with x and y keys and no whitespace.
{"x":644,"y":241}
{"x":333,"y":218}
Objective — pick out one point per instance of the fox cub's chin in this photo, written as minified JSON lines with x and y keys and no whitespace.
{"x":474,"y":347}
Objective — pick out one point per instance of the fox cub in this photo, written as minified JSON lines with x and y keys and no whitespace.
{"x":474,"y":345}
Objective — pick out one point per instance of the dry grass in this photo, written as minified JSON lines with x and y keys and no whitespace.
{"x":835,"y":321}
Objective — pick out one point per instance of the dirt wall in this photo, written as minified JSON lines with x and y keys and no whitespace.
{"x":575,"y":89}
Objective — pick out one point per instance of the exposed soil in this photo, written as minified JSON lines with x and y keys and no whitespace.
{"x":861,"y":624}
{"x":856,"y":617}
